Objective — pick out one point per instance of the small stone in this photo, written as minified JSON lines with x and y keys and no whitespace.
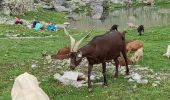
{"x":57,"y":76}
{"x":144,"y":81}
{"x":154,"y":84}
{"x":34,"y":66}
{"x":134,"y":86}
{"x":158,"y":78}
{"x":92,"y":77}
{"x":136,"y":76}
{"x":130,"y":80}
{"x":157,"y":82}
{"x":99,"y":83}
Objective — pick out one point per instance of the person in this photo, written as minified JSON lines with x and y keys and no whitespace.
{"x":18,"y":21}
{"x":34,"y":23}
{"x":52,"y":27}
{"x":38,"y":26}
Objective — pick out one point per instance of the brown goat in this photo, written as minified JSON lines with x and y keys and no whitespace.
{"x":140,"y":29}
{"x":122,"y":61}
{"x":63,"y":53}
{"x":100,"y":49}
{"x":137,"y":55}
{"x":134,"y":45}
{"x":114,"y":27}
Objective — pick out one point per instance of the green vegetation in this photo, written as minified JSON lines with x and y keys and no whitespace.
{"x":44,"y":15}
{"x":158,"y":3}
{"x":17,"y":56}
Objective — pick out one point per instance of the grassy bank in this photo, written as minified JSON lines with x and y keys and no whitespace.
{"x":44,"y":15}
{"x":17,"y":56}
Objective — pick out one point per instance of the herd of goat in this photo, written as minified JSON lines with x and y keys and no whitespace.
{"x":102,"y":49}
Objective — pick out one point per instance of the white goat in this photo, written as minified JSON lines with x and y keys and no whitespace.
{"x":137,"y":55}
{"x":167,"y":52}
{"x":26,"y":87}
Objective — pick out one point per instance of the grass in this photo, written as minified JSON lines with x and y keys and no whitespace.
{"x":17,"y":56}
{"x":158,"y":3}
{"x":44,"y":15}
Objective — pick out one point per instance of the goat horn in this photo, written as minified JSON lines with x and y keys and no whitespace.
{"x":76,"y":47}
{"x":73,"y":41}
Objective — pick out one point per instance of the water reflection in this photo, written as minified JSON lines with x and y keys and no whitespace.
{"x":148,"y":16}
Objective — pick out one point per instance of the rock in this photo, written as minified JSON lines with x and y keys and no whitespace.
{"x":26,"y":87}
{"x":136,"y":77}
{"x":34,"y":66}
{"x":99,"y":83}
{"x":60,"y":5}
{"x":97,"y":8}
{"x":92,"y":77}
{"x":60,"y":2}
{"x":157,"y":82}
{"x":130,"y":80}
{"x":158,"y":78}
{"x":134,"y":86}
{"x":78,"y":84}
{"x":16,"y":7}
{"x":70,"y":75}
{"x":143,"y":81}
{"x":62,"y":9}
{"x":48,"y":58}
{"x":154,"y":84}
{"x":75,"y":79}
{"x":116,"y":1}
{"x":57,"y":76}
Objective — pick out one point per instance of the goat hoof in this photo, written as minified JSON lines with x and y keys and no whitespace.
{"x":90,"y":89}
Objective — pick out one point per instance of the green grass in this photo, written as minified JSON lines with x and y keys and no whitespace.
{"x":45,"y":15}
{"x":17,"y":56}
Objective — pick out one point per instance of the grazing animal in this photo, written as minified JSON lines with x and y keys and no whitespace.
{"x":100,"y":49}
{"x":134,"y":45}
{"x":63,"y":53}
{"x":131,"y":25}
{"x":137,"y":55}
{"x":140,"y":29}
{"x":149,"y":2}
{"x":122,"y":61}
{"x":167,"y":52}
{"x":128,"y":41}
{"x":114,"y":27}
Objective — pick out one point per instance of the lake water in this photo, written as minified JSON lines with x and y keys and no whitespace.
{"x":147,"y":16}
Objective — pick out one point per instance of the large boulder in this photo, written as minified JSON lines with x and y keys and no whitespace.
{"x":60,"y":5}
{"x":96,"y":8}
{"x":26,"y":87}
{"x":16,"y":7}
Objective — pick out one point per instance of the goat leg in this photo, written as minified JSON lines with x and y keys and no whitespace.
{"x":116,"y":63}
{"x":104,"y":73}
{"x":90,"y":67}
{"x":126,"y":62}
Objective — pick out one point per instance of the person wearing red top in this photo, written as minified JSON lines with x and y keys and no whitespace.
{"x":18,"y":21}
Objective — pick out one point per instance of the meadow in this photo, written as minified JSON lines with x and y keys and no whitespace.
{"x":17,"y":56}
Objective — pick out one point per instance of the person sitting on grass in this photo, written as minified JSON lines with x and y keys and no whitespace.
{"x":18,"y":21}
